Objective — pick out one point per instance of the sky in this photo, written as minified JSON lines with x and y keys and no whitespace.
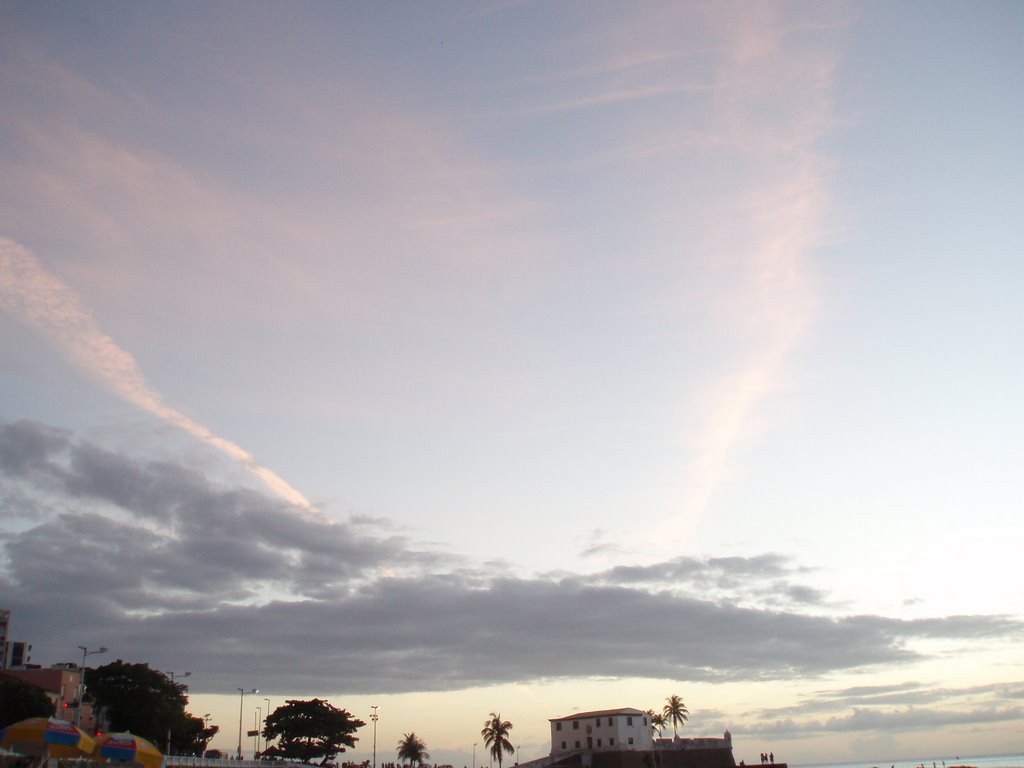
{"x":524,"y":357}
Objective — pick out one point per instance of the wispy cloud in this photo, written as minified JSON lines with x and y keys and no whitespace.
{"x":771,"y":105}
{"x":52,"y":309}
{"x":879,"y":720}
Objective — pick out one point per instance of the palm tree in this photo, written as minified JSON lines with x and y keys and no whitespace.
{"x":675,"y":711}
{"x":658,"y":722}
{"x":412,"y":749}
{"x":495,"y":733}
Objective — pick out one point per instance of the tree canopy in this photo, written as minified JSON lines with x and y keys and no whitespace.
{"x":192,"y":736}
{"x":19,"y":700}
{"x":495,"y":733}
{"x":412,"y":749}
{"x":133,"y":697}
{"x":308,"y":730}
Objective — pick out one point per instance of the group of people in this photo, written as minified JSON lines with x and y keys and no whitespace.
{"x":768,"y":758}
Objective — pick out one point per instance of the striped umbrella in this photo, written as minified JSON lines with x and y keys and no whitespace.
{"x":127,"y":748}
{"x":46,"y":736}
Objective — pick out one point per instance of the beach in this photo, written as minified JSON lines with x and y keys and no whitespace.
{"x":951,"y":761}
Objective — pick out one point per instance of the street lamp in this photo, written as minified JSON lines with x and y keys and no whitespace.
{"x":241,"y":698}
{"x":375,"y":717}
{"x":81,"y":681}
{"x":258,"y":715}
{"x":474,"y":754}
{"x":266,"y":714}
{"x":172,"y":675}
{"x":206,"y":724}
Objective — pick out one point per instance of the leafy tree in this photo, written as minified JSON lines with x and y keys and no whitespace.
{"x":133,"y":697}
{"x":311,"y":729}
{"x":20,"y":700}
{"x":675,"y":712}
{"x":192,"y":736}
{"x":412,"y":749}
{"x":495,"y":733}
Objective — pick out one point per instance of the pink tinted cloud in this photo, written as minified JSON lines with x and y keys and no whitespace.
{"x":366,"y":183}
{"x":771,"y":105}
{"x":37,"y":298}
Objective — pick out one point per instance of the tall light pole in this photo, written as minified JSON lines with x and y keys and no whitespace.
{"x":258,"y":715}
{"x":375,"y":717}
{"x":172,"y":675}
{"x":206,"y":724}
{"x":241,"y":698}
{"x":266,"y":714}
{"x":474,"y":754}
{"x":81,"y":681}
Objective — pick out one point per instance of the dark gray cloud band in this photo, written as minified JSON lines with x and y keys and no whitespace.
{"x":159,"y":563}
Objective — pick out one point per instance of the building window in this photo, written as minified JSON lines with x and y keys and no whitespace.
{"x":598,"y":722}
{"x":563,"y":745}
{"x":629,"y":721}
{"x":609,"y":721}
{"x":599,"y":742}
{"x":575,"y":725}
{"x":630,"y":739}
{"x":558,"y":726}
{"x":611,"y":742}
{"x":577,"y":745}
{"x":645,"y":721}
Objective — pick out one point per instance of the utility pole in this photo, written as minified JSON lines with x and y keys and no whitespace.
{"x":256,"y":727}
{"x":375,"y":717}
{"x":241,"y":699}
{"x":172,"y":676}
{"x":81,"y":681}
{"x":266,"y":714}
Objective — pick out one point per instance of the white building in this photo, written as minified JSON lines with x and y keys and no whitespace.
{"x":608,"y":730}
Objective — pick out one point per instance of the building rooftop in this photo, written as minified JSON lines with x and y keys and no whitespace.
{"x":599,"y":713}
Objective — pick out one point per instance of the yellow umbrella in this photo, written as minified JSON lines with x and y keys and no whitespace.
{"x":119,"y":748}
{"x":46,"y":737}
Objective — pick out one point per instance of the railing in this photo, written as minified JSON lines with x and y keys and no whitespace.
{"x":190,"y":761}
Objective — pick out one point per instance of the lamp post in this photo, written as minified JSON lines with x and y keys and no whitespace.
{"x":266,"y":714}
{"x":206,"y":724}
{"x":375,"y":717}
{"x":241,"y":699}
{"x":257,"y":716}
{"x":172,"y":675}
{"x":81,"y":681}
{"x":474,"y":754}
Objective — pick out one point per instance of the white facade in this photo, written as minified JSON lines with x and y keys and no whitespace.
{"x":609,"y":730}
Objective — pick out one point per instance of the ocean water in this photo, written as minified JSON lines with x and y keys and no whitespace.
{"x":988,"y":761}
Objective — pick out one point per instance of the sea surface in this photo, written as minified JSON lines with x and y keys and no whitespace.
{"x":988,"y":761}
